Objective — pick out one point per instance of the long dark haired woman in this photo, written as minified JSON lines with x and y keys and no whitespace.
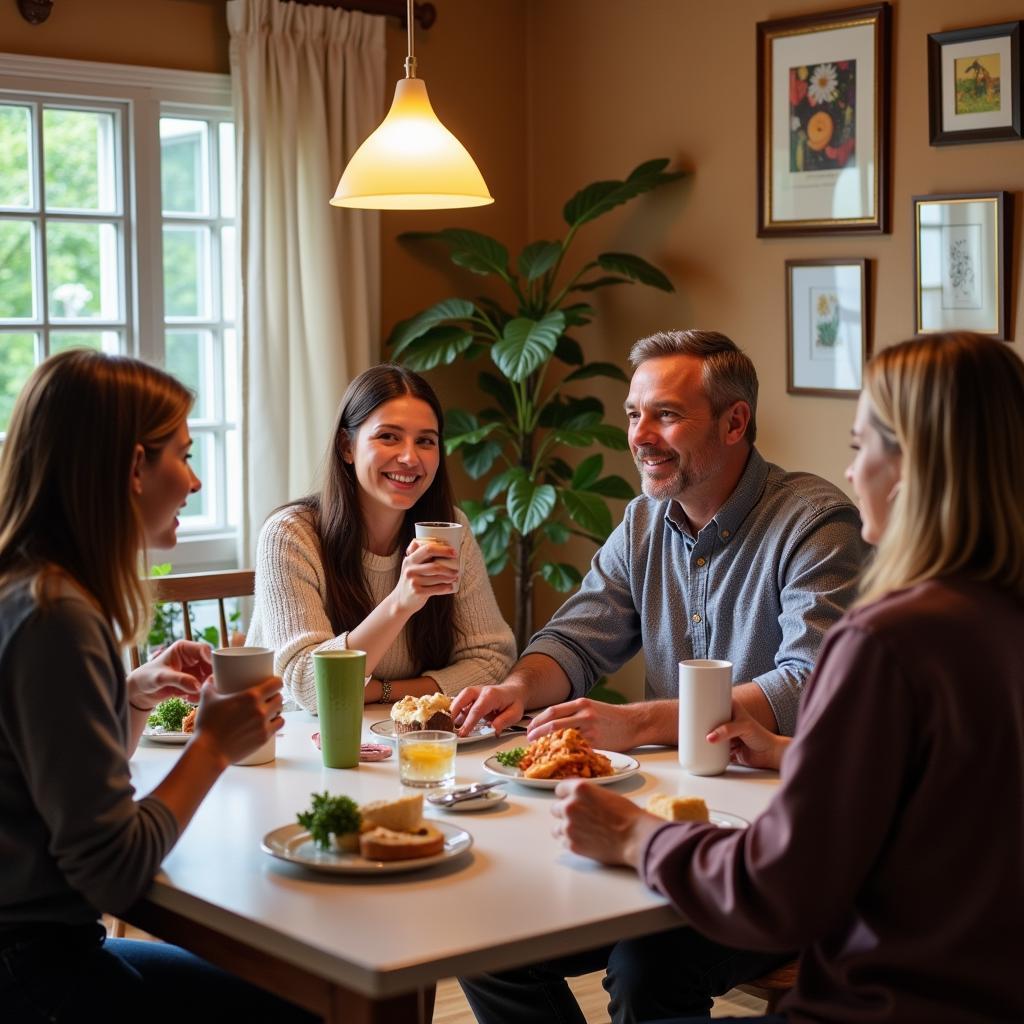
{"x":342,"y":568}
{"x":94,"y":471}
{"x":892,"y":853}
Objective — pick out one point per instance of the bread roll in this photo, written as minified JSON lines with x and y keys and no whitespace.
{"x":386,"y":844}
{"x":678,"y":808}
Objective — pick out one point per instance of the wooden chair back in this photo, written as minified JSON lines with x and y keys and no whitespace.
{"x":184,"y":589}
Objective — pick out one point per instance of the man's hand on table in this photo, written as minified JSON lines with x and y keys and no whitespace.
{"x":751,"y":744}
{"x":611,"y":726}
{"x":595,"y":822}
{"x":501,"y":704}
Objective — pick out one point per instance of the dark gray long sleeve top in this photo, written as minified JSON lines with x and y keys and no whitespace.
{"x":74,"y":841}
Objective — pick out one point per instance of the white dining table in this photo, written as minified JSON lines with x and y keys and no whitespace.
{"x":371,"y":948}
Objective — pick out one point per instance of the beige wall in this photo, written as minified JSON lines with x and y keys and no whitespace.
{"x":551,"y":94}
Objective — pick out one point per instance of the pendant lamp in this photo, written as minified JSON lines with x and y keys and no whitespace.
{"x":411,"y":162}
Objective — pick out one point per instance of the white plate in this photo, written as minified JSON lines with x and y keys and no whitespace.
{"x":723,"y":819}
{"x":292,"y":843}
{"x":481,"y":731}
{"x":623,"y":766}
{"x":488,"y":798}
{"x":157,"y":734}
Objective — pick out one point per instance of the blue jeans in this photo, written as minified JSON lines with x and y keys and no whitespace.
{"x":67,"y":973}
{"x":670,"y":974}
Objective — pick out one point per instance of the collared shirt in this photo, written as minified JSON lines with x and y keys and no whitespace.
{"x":759,"y":586}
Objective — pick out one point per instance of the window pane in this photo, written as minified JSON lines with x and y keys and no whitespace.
{"x":83,"y":269}
{"x":78,"y":155}
{"x":17,"y":361}
{"x":186,"y":271}
{"x":231,"y":375}
{"x":17,"y":270}
{"x":184,"y":165}
{"x":200,"y":504}
{"x":15,"y":156}
{"x":226,"y":133}
{"x":229,"y":273}
{"x":233,"y":460}
{"x":189,"y":357}
{"x":100,"y":341}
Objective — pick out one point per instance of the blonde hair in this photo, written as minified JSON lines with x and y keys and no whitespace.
{"x":66,"y":506}
{"x":726,"y":371}
{"x":953,"y":405}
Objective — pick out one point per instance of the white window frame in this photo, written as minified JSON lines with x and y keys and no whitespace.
{"x":146,"y":93}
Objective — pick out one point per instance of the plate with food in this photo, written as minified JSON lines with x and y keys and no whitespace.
{"x":692,"y":808}
{"x":338,"y":836}
{"x":431,"y":711}
{"x":560,"y":755}
{"x":171,"y":721}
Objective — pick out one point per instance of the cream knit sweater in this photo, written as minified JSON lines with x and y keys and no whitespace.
{"x":290,"y":614}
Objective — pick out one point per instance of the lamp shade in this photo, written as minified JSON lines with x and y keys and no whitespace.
{"x":411,"y":162}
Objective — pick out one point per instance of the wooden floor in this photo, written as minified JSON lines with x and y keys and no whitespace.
{"x":451,"y":1007}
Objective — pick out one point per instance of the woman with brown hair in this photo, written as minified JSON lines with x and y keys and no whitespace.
{"x":891,"y":855}
{"x":93,"y":473}
{"x":342,"y":568}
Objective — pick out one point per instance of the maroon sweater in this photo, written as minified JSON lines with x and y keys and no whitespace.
{"x":893,"y":853}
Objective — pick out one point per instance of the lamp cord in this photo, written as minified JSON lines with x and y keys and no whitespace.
{"x":410,"y":58}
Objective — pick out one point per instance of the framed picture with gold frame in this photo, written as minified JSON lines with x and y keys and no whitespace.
{"x":826,"y":326}
{"x":961,"y":263}
{"x":974,"y":85}
{"x":823,"y":122}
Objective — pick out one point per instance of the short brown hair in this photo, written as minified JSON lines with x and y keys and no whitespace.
{"x":729,"y":375}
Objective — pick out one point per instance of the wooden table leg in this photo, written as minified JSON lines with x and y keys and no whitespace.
{"x":412,"y":1008}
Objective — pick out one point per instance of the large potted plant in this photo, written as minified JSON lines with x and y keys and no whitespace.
{"x":534,"y":496}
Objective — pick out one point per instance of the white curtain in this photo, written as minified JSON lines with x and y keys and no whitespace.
{"x":308,"y":86}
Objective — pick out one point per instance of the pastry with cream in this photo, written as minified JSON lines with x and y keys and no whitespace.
{"x":432,"y":711}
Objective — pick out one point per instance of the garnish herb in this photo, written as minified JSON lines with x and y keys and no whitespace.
{"x":511,"y":758}
{"x":170,"y":713}
{"x":330,"y":815}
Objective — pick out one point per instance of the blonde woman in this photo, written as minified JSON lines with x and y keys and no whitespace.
{"x":94,"y":472}
{"x":891,"y":855}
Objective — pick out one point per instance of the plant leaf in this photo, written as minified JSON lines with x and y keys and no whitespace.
{"x":589,"y":510}
{"x":611,"y":487}
{"x":636,"y":269}
{"x":574,"y":438}
{"x":497,"y":485}
{"x":478,"y":458}
{"x":598,"y":370}
{"x":601,"y":196}
{"x":529,"y":504}
{"x":480,"y":515}
{"x":569,"y":351}
{"x":498,"y":535}
{"x":599,"y":282}
{"x":527,"y":344}
{"x":560,"y":412}
{"x":498,"y":388}
{"x":497,"y":564}
{"x":557,"y":533}
{"x":559,"y":468}
{"x":453,"y":442}
{"x":578,"y":314}
{"x":458,"y":421}
{"x":561,"y":576}
{"x":587,"y":472}
{"x":611,"y":437}
{"x":439,"y":346}
{"x":475,"y":252}
{"x":538,"y":258}
{"x":408,"y":331}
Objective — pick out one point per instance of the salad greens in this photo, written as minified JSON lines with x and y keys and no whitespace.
{"x":511,"y":758}
{"x":170,"y":713}
{"x":330,"y":815}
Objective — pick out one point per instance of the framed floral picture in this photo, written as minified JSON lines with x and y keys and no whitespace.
{"x":826,"y":326}
{"x":823,"y":122}
{"x":961,"y":263}
{"x":974,"y":85}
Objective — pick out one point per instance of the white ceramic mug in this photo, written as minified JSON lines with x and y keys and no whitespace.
{"x":705,"y":702}
{"x":450,"y":533}
{"x":238,"y":668}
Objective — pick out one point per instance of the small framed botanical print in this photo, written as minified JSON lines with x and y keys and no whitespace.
{"x":827,"y":326}
{"x":974,"y":84}
{"x":961,"y":263}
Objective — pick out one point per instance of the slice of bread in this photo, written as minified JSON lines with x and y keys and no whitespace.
{"x":386,"y":844}
{"x":678,"y":808}
{"x":405,"y":814}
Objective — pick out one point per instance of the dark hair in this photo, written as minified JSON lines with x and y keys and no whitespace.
{"x":66,"y":506}
{"x":338,"y":520}
{"x":728,"y":373}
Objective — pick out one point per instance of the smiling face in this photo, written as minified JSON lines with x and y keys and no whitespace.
{"x":395,"y":453}
{"x":874,"y":472}
{"x":673,"y":436}
{"x":161,"y":486}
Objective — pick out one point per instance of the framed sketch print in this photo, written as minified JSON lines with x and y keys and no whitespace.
{"x":961,"y":259}
{"x":974,"y":84}
{"x":823,"y":122}
{"x":826,"y":326}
